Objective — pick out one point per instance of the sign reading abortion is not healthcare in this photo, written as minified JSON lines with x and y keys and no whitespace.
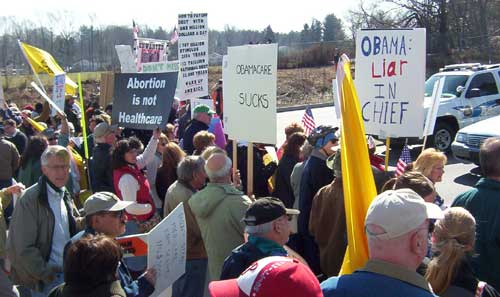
{"x":143,"y":100}
{"x":250,"y":81}
{"x":390,"y":78}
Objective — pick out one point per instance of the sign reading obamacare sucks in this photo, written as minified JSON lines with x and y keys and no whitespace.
{"x":143,"y":100}
{"x":250,"y":93}
{"x":390,"y":78}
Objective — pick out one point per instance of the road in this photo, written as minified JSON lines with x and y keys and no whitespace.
{"x":458,"y":176}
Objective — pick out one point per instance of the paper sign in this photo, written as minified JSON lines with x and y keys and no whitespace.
{"x":126,"y":58}
{"x":250,"y":93}
{"x":159,"y":67}
{"x":167,"y":249}
{"x":44,"y":96}
{"x":134,"y":245}
{"x":58,"y":92}
{"x":143,"y":100}
{"x":390,"y":78}
{"x":196,"y":102}
{"x":193,"y":55}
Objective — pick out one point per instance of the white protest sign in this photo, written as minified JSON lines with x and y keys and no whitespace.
{"x":250,"y":93}
{"x":2,"y":98}
{"x":193,"y":55}
{"x":44,"y":96}
{"x":167,"y":249}
{"x":150,"y":50}
{"x":58,"y":92}
{"x":126,"y":57}
{"x":390,"y":78}
{"x":159,"y":67}
{"x":336,"y":101}
{"x":196,"y":102}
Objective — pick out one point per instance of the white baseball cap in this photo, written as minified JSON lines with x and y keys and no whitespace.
{"x":399,"y":212}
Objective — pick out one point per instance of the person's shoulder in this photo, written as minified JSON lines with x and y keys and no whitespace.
{"x":329,"y":286}
{"x":30,"y":194}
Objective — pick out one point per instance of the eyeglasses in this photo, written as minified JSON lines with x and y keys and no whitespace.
{"x":58,"y":167}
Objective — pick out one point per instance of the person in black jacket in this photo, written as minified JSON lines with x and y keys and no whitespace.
{"x":202,"y":115}
{"x":291,"y":156}
{"x":14,"y":135}
{"x":268,"y":226}
{"x":101,"y":172}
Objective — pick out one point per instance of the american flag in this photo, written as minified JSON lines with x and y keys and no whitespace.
{"x":404,"y":159}
{"x":175,"y":36}
{"x":308,"y":121}
{"x":135,"y":32}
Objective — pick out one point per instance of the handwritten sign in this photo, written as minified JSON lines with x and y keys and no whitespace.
{"x":143,"y":100}
{"x":250,"y":93}
{"x":167,"y":249}
{"x":390,"y":78}
{"x":193,"y":55}
{"x":58,"y":92}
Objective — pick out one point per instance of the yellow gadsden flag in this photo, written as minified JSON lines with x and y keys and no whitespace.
{"x":42,"y":61}
{"x":357,"y":176}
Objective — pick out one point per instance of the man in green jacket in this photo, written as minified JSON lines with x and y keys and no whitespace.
{"x":42,"y":223}
{"x":483,"y":202}
{"x":219,"y":209}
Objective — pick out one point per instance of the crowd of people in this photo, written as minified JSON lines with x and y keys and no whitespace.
{"x":60,"y":214}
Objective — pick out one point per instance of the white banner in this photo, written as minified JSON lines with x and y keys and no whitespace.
{"x":58,"y":92}
{"x":390,"y":78}
{"x":126,"y":58}
{"x":193,"y":55}
{"x":250,"y":93}
{"x":167,"y":249}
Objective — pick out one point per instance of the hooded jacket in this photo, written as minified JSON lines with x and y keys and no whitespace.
{"x":219,"y":210}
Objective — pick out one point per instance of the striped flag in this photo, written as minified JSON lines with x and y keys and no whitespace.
{"x":404,"y":159}
{"x":308,"y":121}
{"x":135,"y":33}
{"x":175,"y":36}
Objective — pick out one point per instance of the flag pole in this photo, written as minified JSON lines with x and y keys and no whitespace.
{"x":387,"y":149}
{"x":83,"y":122}
{"x":31,"y":66}
{"x":250,"y":169}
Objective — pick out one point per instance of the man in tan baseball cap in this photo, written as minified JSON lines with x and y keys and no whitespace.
{"x":397,"y":225}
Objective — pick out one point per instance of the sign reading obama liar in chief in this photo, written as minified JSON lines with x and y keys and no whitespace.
{"x":143,"y":100}
{"x":390,"y":78}
{"x":250,"y":93}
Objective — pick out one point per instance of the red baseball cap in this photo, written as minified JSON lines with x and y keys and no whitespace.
{"x":270,"y":277}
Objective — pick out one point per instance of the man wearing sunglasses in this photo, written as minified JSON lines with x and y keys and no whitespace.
{"x":268,"y":227}
{"x":104,"y":214}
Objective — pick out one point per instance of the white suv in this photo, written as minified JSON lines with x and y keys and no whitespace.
{"x":470,"y":94}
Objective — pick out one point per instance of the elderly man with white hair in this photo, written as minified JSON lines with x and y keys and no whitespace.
{"x":397,"y":226}
{"x":219,"y":209}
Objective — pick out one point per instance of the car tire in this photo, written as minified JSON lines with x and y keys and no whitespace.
{"x":443,"y":136}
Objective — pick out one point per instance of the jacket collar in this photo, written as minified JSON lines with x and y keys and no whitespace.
{"x":488,"y":183}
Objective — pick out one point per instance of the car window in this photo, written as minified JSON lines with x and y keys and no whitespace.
{"x":451,"y":83}
{"x":486,"y":84}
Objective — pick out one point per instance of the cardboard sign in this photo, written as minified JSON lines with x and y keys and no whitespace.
{"x":126,"y":58}
{"x":167,"y":249}
{"x":390,"y":78}
{"x":193,"y":55}
{"x":160,"y":67}
{"x":58,"y":92}
{"x":250,"y":93}
{"x":143,"y":101}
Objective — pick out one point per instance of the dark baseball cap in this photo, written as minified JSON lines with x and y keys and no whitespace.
{"x":265,"y":210}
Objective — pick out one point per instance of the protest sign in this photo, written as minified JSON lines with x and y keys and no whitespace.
{"x":134,"y":245}
{"x":390,"y":78}
{"x":150,"y":50}
{"x":160,"y":67}
{"x":250,"y":93}
{"x":143,"y":100}
{"x":58,"y":92}
{"x":193,"y":55}
{"x":44,"y":96}
{"x":3,"y":104}
{"x":126,"y":58}
{"x":196,"y":102}
{"x":167,"y":249}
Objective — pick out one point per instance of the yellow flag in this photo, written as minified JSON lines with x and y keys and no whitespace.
{"x":357,"y":176}
{"x":42,"y":61}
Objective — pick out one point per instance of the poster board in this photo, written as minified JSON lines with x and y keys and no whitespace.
{"x":193,"y":55}
{"x":250,"y":93}
{"x":126,"y":57}
{"x":390,"y":78}
{"x":58,"y":92}
{"x":167,"y":249}
{"x":143,"y":100}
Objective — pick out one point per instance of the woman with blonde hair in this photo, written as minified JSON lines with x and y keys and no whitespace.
{"x":449,"y":272}
{"x":431,"y":164}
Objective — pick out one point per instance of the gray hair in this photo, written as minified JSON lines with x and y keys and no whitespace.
{"x":188,"y":167}
{"x":54,"y":151}
{"x":259,"y":230}
{"x":224,"y":171}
